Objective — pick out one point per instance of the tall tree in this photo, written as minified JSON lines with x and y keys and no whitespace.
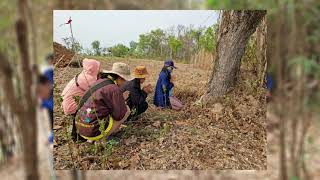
{"x":118,"y":50}
{"x":207,"y":40}
{"x":234,"y":31}
{"x":174,"y":45}
{"x":24,"y":105}
{"x":96,"y":47}
{"x":156,"y":38}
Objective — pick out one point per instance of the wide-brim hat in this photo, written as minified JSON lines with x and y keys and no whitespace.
{"x":140,"y":72}
{"x":120,"y":69}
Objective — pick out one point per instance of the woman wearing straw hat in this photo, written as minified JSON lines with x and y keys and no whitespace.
{"x":137,"y":96}
{"x":105,"y":109}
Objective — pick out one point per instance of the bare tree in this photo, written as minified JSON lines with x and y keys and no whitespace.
{"x":24,"y":106}
{"x":299,"y":122}
{"x":234,"y":31}
{"x":278,"y":56}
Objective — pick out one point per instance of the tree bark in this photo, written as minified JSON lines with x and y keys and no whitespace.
{"x":234,"y":31}
{"x":29,"y":129}
{"x":296,"y":106}
{"x":33,"y":39}
{"x":27,"y":119}
{"x":262,"y":50}
{"x":283,"y":175}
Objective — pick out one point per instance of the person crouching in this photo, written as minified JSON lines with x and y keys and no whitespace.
{"x":103,"y":108}
{"x":137,"y":96}
{"x":164,"y":85}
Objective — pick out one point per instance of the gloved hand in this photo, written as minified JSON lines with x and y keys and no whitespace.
{"x":171,"y":92}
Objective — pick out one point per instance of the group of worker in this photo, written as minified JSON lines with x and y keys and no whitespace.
{"x":99,"y":101}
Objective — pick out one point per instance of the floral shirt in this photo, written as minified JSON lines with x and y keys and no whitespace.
{"x":106,"y":101}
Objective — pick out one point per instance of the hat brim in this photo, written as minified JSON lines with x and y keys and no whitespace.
{"x":140,"y":76}
{"x":125,"y":77}
{"x":171,"y":66}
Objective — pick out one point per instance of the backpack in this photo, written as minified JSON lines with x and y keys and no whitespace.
{"x":74,"y":134}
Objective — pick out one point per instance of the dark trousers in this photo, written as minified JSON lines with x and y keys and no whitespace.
{"x":137,"y":110}
{"x":74,"y":134}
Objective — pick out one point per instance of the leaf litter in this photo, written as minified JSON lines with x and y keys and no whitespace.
{"x":229,"y":134}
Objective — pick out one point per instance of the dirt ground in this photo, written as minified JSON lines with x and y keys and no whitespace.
{"x":62,"y":56}
{"x":155,"y":144}
{"x":229,"y":135}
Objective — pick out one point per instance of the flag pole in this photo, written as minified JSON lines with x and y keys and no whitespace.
{"x":71,"y":33}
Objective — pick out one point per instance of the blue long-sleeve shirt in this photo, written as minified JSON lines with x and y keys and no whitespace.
{"x":48,"y":73}
{"x":161,"y":96}
{"x":269,"y":83}
{"x":48,"y":104}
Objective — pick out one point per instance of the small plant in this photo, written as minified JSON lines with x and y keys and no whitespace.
{"x":193,"y":131}
{"x":93,"y":149}
{"x":68,"y":138}
{"x":164,"y":130}
{"x":109,"y":146}
{"x":128,"y":131}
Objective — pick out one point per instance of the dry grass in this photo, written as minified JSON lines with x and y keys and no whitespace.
{"x":202,"y":60}
{"x":228,"y":135}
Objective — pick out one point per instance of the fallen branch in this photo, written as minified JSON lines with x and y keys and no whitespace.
{"x":58,"y":62}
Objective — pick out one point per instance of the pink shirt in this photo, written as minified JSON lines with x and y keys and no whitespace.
{"x":86,"y":78}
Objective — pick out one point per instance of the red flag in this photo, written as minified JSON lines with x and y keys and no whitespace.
{"x":69,"y":22}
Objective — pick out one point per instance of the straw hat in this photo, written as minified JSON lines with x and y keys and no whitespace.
{"x":120,"y":69}
{"x":140,"y":72}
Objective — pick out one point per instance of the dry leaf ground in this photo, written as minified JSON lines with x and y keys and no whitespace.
{"x":230,"y":134}
{"x":141,"y":144}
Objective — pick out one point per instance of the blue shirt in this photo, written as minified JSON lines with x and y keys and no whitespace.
{"x":48,"y":73}
{"x":269,"y":83}
{"x":48,"y":103}
{"x":161,"y":96}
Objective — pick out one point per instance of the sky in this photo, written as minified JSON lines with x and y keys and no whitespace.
{"x":113,"y":27}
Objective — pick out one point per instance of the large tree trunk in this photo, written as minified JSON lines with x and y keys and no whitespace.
{"x":23,"y":107}
{"x":283,"y":175}
{"x":29,"y":129}
{"x":234,"y":31}
{"x":27,"y":118}
{"x":262,"y":50}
